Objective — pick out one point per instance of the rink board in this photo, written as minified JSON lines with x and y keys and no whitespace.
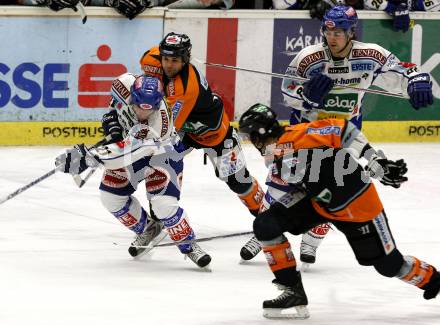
{"x":56,"y":72}
{"x":68,"y":133}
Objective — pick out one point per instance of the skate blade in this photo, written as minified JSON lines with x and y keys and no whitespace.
{"x":305,"y":266}
{"x":151,"y":245}
{"x":206,"y":268}
{"x":277,"y":313}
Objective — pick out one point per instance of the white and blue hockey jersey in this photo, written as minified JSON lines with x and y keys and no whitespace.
{"x":366,"y":65}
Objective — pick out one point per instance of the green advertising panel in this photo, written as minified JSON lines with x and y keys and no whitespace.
{"x":420,"y":45}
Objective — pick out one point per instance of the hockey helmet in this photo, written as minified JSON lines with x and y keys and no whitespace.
{"x":260,"y":123}
{"x":178,"y":45}
{"x":147,"y":92}
{"x":344,"y":17}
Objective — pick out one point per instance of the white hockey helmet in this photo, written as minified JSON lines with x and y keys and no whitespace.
{"x":121,"y":100}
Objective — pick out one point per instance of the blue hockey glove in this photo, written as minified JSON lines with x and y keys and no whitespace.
{"x":400,"y":12}
{"x":76,"y":160}
{"x":315,"y":90}
{"x":420,"y":91}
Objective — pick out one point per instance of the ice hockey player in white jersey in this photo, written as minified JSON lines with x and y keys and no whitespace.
{"x":146,"y":147}
{"x":341,"y":60}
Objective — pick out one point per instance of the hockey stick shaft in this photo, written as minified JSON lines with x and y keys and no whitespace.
{"x":24,"y":188}
{"x":282,"y":76}
{"x":237,"y":234}
{"x":82,"y":12}
{"x":48,"y":174}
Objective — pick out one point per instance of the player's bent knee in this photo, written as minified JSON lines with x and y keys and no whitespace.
{"x":266,"y":226}
{"x":113,"y":202}
{"x":390,"y":264}
{"x":164,"y":206}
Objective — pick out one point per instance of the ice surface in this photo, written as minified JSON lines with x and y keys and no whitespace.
{"x":64,"y":260}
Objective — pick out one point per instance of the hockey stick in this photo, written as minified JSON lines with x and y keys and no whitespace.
{"x":82,"y":11}
{"x":198,"y":240}
{"x":282,"y":76}
{"x":78,"y":180}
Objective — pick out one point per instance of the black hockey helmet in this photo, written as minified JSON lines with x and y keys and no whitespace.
{"x":178,"y":45}
{"x":260,"y":123}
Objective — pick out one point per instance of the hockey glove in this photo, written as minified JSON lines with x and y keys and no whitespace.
{"x":400,"y":12}
{"x":76,"y":160}
{"x":420,"y":91}
{"x":315,"y":90}
{"x":388,"y":172}
{"x":129,"y":8}
{"x":57,"y":5}
{"x":318,"y":9}
{"x":111,"y":126}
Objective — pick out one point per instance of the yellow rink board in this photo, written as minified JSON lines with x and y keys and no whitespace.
{"x":68,"y":133}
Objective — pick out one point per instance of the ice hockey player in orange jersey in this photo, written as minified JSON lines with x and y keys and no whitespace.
{"x":316,"y":178}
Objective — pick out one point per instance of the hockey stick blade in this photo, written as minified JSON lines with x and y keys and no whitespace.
{"x":79,"y":181}
{"x":199,"y":239}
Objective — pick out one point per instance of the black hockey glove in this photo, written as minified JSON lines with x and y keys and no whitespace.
{"x":129,"y":8}
{"x":111,"y":126}
{"x":76,"y":160}
{"x":318,"y":9}
{"x":57,"y":5}
{"x":315,"y":90}
{"x":388,"y":172}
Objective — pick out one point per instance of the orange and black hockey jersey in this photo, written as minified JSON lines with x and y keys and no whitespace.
{"x":337,"y":192}
{"x":195,"y":110}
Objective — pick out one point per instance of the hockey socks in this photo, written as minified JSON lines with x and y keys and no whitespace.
{"x":179,"y":230}
{"x":253,"y":197}
{"x":310,"y":242}
{"x":420,"y":274}
{"x":283,"y":264}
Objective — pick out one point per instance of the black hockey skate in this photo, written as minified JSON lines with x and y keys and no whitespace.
{"x":250,"y":249}
{"x":199,"y":256}
{"x":292,"y":297}
{"x":146,"y":241}
{"x":432,"y":288}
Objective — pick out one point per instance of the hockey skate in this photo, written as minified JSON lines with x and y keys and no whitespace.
{"x":250,"y":249}
{"x":432,"y":288}
{"x":307,"y":255}
{"x":146,"y":241}
{"x":282,"y":306}
{"x":199,"y":256}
